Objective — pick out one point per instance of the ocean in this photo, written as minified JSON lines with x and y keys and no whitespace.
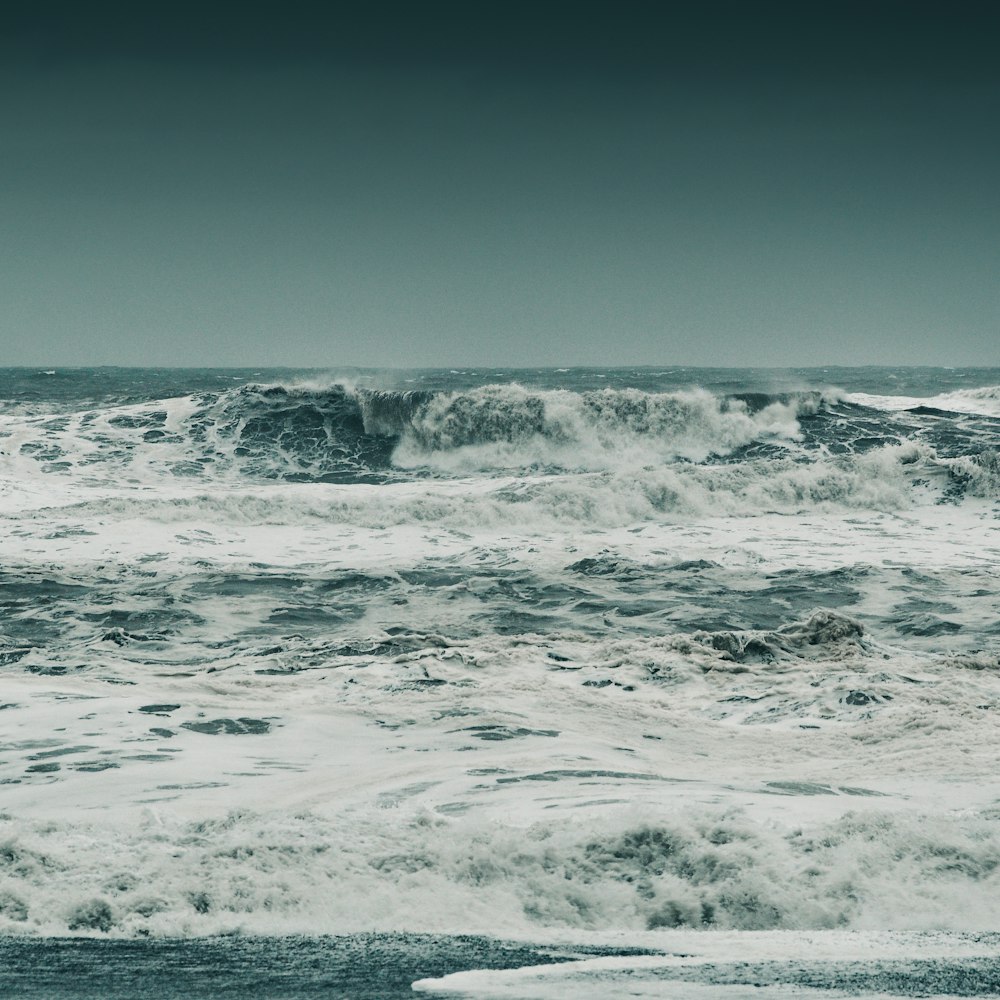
{"x":699,"y":663}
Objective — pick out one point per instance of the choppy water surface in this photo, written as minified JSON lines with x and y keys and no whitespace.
{"x":501,"y":652}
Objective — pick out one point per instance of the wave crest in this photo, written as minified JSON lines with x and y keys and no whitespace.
{"x":304,"y":873}
{"x":511,"y":427}
{"x":682,"y":451}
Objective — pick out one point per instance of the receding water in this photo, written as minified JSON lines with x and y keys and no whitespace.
{"x":356,"y":967}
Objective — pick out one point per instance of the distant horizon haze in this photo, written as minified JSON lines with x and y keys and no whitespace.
{"x":724,"y":184}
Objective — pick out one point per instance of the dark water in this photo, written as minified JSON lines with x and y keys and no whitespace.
{"x":971,"y":977}
{"x":358,"y":967}
{"x":383,"y":967}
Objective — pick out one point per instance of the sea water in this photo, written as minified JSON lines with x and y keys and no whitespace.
{"x":585,"y":655}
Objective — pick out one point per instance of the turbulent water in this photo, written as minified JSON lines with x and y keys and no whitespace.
{"x":502,"y":652}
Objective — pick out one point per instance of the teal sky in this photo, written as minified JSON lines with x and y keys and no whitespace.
{"x":501,"y":184}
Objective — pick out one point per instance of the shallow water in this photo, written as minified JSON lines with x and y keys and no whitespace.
{"x":386,"y":967}
{"x":361,"y":967}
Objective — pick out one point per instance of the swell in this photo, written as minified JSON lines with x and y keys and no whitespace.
{"x":344,"y":434}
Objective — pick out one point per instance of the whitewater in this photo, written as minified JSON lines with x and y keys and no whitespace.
{"x":703,"y":663}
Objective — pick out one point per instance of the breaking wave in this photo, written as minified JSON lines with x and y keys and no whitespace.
{"x":500,"y":427}
{"x":341,"y":433}
{"x":890,"y":479}
{"x":982,"y":401}
{"x":598,"y":455}
{"x":303,"y":873}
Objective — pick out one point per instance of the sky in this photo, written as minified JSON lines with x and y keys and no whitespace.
{"x":500,"y":183}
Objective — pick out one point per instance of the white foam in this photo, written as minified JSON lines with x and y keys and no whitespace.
{"x":984,"y":401}
{"x":616,"y":429}
{"x":632,"y":773}
{"x":651,"y":975}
